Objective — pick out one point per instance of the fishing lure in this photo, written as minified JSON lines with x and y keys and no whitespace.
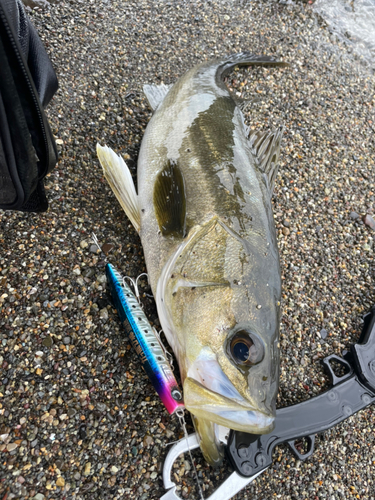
{"x":145,"y":341}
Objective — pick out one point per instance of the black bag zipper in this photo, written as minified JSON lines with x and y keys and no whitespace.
{"x":44,"y":163}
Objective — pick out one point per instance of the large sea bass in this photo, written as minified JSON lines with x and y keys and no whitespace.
{"x":203,"y":212}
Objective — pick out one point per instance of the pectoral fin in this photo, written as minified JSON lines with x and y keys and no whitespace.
{"x":266,"y":147}
{"x":155,"y":94}
{"x":120,"y":180}
{"x":170,"y":201}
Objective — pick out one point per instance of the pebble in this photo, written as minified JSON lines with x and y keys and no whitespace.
{"x":103,"y":314}
{"x":82,"y":432}
{"x":107,"y":247}
{"x":60,"y":482}
{"x":369,"y":221}
{"x":102,"y":279}
{"x":12,"y":446}
{"x":148,"y":440}
{"x":94,"y":249}
{"x":323,"y":333}
{"x":47,"y":341}
{"x":88,"y":273}
{"x":101,"y":407}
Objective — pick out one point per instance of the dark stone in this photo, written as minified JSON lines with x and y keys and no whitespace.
{"x":323,"y":333}
{"x":87,"y":273}
{"x":102,"y":302}
{"x":107,"y":247}
{"x":47,"y":341}
{"x":82,"y":432}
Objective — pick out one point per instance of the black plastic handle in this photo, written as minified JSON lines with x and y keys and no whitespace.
{"x":249,"y":453}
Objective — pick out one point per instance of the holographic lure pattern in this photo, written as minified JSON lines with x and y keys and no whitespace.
{"x":145,"y":341}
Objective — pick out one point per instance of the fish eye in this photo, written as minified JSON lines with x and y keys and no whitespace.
{"x":246,"y":349}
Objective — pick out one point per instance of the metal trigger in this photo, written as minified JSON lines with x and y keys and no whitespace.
{"x":226,"y":490}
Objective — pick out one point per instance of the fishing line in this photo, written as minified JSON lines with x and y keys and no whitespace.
{"x":181,"y":417}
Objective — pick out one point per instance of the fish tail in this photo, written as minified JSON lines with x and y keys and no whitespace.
{"x":245,"y":59}
{"x":120,"y":180}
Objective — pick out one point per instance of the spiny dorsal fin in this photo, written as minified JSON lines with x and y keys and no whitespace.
{"x":245,"y":104}
{"x":266,"y":148}
{"x":120,"y":180}
{"x":170,"y":201}
{"x":155,"y":94}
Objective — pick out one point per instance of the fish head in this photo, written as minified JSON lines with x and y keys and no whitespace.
{"x":221,"y":309}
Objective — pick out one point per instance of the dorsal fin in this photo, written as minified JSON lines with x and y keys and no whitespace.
{"x":170,"y":201}
{"x":245,"y":104}
{"x":266,"y":147}
{"x":155,"y":94}
{"x":120,"y":180}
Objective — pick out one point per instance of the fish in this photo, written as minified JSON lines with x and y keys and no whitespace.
{"x":204,"y":215}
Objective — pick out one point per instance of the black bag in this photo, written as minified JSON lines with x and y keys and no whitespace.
{"x":27,"y":83}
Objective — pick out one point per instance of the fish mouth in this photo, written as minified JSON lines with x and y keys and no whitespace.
{"x":210,"y":395}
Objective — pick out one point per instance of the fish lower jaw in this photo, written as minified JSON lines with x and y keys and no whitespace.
{"x":227,"y":408}
{"x":251,"y":422}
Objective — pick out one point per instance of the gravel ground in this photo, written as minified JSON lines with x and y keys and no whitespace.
{"x":78,"y":417}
